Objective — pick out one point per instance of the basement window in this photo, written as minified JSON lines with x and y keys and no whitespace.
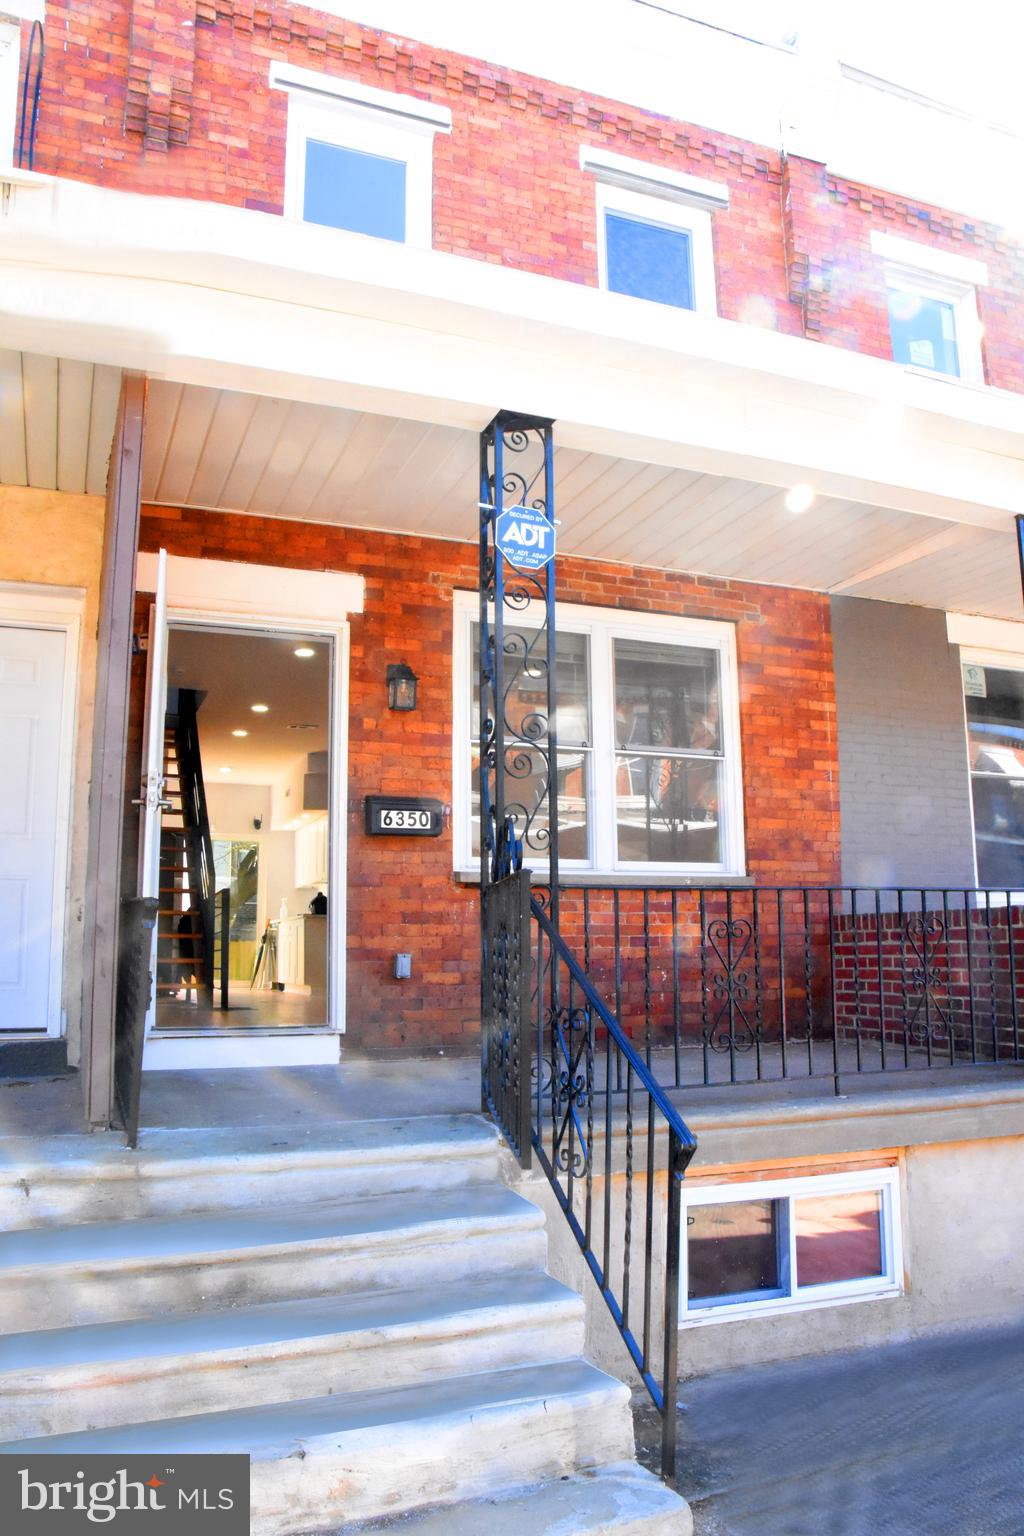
{"x":780,"y":1245}
{"x":358,"y":158}
{"x":654,"y":231}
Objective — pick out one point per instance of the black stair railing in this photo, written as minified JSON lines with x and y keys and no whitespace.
{"x":196,"y":822}
{"x":615,"y":1164}
{"x":554,"y":1059}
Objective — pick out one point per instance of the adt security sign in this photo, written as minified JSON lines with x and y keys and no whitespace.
{"x":525,"y":538}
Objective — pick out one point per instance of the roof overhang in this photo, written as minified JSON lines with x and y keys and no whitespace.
{"x":206,"y":294}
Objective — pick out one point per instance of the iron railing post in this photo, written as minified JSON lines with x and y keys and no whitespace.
{"x":677,"y":1160}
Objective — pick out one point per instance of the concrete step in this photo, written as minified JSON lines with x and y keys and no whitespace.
{"x":63,"y":1179}
{"x":619,"y":1500}
{"x":54,"y":1381}
{"x":321,"y":1462}
{"x":56,"y":1277}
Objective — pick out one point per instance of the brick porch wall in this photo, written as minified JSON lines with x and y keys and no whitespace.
{"x":402,"y":895}
{"x":955,"y":975}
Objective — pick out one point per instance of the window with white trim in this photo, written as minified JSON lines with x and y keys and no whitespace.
{"x":358,"y":158}
{"x":994,"y":710}
{"x":654,"y":231}
{"x":649,"y":777}
{"x":788,"y":1244}
{"x":932,"y":299}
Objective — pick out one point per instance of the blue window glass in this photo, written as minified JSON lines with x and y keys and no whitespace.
{"x":923,"y":331}
{"x":649,"y":261}
{"x":348,"y":189}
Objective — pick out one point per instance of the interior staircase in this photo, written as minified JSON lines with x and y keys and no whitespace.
{"x":362,"y":1308}
{"x":184,"y":932}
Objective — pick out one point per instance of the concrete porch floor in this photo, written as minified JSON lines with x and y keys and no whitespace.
{"x":369,"y":1087}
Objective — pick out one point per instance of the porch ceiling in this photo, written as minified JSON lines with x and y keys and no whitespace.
{"x":56,"y":422}
{"x":238,"y":452}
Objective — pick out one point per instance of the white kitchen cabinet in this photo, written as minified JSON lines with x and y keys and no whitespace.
{"x":312,"y":854}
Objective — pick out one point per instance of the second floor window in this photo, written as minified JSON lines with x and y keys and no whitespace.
{"x":654,"y":231}
{"x":932,"y":299}
{"x":358,"y":158}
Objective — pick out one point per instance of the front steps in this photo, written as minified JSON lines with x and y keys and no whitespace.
{"x":364,"y":1311}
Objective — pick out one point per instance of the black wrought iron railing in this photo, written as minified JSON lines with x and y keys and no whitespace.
{"x":616,"y":1165}
{"x":731,"y":985}
{"x":552,"y":1049}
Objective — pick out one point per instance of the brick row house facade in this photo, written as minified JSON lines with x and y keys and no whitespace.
{"x":292,"y":262}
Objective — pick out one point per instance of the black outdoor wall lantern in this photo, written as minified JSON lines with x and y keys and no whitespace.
{"x":402,"y":682}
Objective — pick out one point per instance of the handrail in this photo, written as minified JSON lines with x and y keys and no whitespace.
{"x":629,"y":1229}
{"x":197,"y":825}
{"x":640,"y":1068}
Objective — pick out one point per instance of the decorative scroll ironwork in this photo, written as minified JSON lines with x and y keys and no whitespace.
{"x":518,"y":739}
{"x":506,"y":1045}
{"x":929,"y":1020}
{"x":727,"y":981}
{"x":572,"y":1073}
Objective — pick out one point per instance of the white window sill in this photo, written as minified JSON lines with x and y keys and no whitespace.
{"x":747,"y":1311}
{"x":569,"y":878}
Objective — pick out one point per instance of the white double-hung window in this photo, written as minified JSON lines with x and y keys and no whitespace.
{"x":932,"y":298}
{"x":654,"y":236}
{"x":649,"y":775}
{"x":358,"y":158}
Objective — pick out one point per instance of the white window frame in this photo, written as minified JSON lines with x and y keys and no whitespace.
{"x":658,"y":195}
{"x":1005,"y":661}
{"x":947,"y":277}
{"x":361,"y":118}
{"x":602,"y":626}
{"x":885,"y":1181}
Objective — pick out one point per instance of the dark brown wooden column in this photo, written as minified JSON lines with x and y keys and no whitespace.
{"x":110,"y":725}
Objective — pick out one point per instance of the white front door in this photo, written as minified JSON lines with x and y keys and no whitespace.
{"x":32,"y":683}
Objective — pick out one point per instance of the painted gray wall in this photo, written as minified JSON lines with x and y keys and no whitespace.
{"x":904,"y":792}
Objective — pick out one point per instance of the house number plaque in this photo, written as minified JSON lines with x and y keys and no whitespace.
{"x":402,"y":816}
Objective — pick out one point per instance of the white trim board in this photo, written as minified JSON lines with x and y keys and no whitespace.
{"x":209,"y":1052}
{"x":236,"y":588}
{"x":24,"y":606}
{"x":655,"y":180}
{"x":971,"y":629}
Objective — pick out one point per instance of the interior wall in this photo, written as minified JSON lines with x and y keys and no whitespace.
{"x":52,"y":539}
{"x":232,"y":808}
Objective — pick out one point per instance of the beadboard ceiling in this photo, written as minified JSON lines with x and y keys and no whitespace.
{"x":223,"y":449}
{"x":277,"y":458}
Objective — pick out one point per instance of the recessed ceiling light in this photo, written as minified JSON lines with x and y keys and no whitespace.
{"x":799,"y":498}
{"x":225,"y":770}
{"x":259,"y":709}
{"x":304,"y":651}
{"x":239,"y":733}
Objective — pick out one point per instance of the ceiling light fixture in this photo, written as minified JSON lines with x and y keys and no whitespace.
{"x":260,"y":709}
{"x":799,"y":498}
{"x":239,"y":733}
{"x":225,"y":770}
{"x":305,"y":651}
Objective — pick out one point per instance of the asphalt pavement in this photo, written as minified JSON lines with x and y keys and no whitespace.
{"x":924,"y":1438}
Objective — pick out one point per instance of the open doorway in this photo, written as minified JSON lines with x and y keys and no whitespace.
{"x":245,"y":832}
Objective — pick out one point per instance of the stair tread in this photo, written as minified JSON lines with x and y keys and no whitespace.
{"x":236,"y":1231}
{"x":276,"y":1430}
{"x":622,"y":1497}
{"x":268,"y":1323}
{"x":178,"y":1153}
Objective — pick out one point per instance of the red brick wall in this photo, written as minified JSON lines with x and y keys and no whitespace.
{"x":402,"y":895}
